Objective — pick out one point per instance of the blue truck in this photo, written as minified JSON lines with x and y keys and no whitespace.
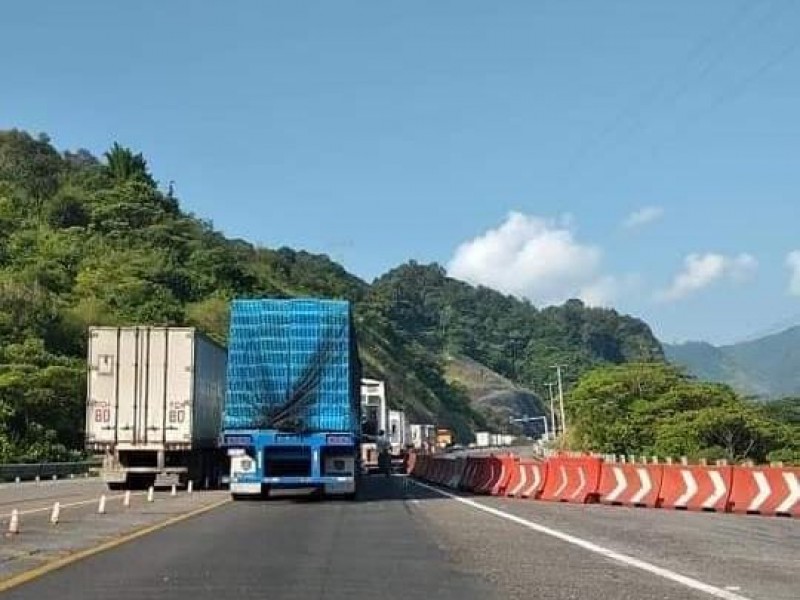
{"x":292,"y":413}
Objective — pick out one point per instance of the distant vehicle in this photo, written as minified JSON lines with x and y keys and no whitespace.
{"x":399,"y":434}
{"x":154,"y":406}
{"x":423,"y":436}
{"x":292,"y":415}
{"x":444,"y":437}
{"x":375,"y":418}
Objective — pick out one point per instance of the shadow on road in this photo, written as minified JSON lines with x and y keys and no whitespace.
{"x":372,"y":488}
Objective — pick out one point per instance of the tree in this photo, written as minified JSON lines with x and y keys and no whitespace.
{"x":123,"y":165}
{"x":657,"y":409}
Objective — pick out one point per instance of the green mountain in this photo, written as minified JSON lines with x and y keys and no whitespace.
{"x":87,"y":241}
{"x":768,"y":367}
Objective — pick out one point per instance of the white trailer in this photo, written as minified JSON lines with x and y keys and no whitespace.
{"x":399,"y":432}
{"x":482,"y":439}
{"x":375,"y":417}
{"x":154,"y":405}
{"x":423,"y":436}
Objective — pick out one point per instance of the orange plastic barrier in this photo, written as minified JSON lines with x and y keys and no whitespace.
{"x":696,"y":487}
{"x":508,"y":466}
{"x":422,"y":466}
{"x":440,"y":470}
{"x":572,"y":479}
{"x":411,"y":463}
{"x":489,"y":473}
{"x":472,"y":473}
{"x":527,"y":480}
{"x":457,"y":473}
{"x":631,"y":485}
{"x":766,"y":491}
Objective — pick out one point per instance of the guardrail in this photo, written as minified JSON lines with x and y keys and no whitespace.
{"x":30,"y":471}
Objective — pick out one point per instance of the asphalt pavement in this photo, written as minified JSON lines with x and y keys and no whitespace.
{"x":402,"y":540}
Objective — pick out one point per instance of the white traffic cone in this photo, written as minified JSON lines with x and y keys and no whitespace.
{"x":174,"y":491}
{"x":190,"y":487}
{"x":101,"y":506}
{"x":13,"y":524}
{"x":126,"y":501}
{"x":54,"y":516}
{"x":150,"y":494}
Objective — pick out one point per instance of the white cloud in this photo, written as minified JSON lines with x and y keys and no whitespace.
{"x":605,"y":290}
{"x":793,"y":262}
{"x":643,"y":216}
{"x":701,"y":270}
{"x":535,"y":258}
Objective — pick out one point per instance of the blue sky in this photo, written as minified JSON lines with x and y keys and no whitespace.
{"x":514,"y":142}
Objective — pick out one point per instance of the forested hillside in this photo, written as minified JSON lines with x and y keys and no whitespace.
{"x":87,"y":241}
{"x":768,"y":367}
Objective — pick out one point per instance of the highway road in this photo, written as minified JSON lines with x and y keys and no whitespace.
{"x":404,"y":540}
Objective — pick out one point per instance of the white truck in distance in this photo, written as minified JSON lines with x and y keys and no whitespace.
{"x":375,"y":418}
{"x":378,"y":417}
{"x":399,"y":432}
{"x":423,"y":436}
{"x":154,"y":405}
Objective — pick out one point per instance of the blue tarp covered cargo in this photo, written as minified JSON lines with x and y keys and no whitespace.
{"x":292,"y":366}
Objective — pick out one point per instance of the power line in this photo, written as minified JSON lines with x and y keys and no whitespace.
{"x":638,"y":111}
{"x":735,"y":91}
{"x":649,"y":97}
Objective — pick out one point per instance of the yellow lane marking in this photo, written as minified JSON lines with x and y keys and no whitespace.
{"x":59,"y":563}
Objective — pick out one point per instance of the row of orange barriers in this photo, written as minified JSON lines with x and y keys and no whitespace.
{"x":582,"y":480}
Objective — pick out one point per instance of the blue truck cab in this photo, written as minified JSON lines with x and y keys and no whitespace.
{"x":292,"y":412}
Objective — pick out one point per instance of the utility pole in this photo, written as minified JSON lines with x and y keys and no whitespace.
{"x":561,"y":398}
{"x":550,"y":385}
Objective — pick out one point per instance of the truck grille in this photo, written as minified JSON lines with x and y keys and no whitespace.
{"x":287,"y":461}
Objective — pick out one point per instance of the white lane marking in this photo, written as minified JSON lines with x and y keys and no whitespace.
{"x":622,"y":483}
{"x":793,"y":483}
{"x":719,"y":489}
{"x":691,"y":488}
{"x":647,"y":485}
{"x":763,"y":491}
{"x":630,"y":561}
{"x":48,"y":508}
